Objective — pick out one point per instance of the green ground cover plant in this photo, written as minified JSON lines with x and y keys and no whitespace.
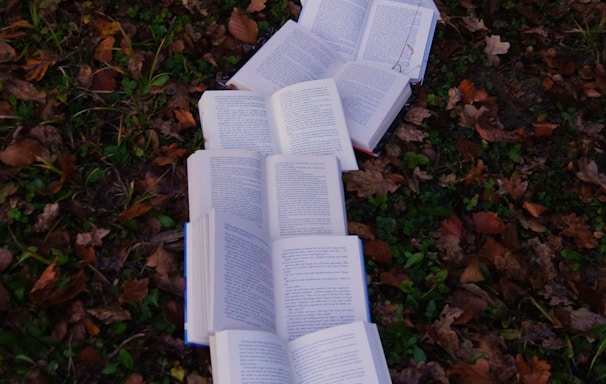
{"x":483,"y":220}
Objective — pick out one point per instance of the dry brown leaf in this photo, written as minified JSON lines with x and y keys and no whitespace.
{"x":133,"y":291}
{"x":472,"y":272}
{"x":45,"y":284}
{"x":452,"y":226}
{"x":476,"y":373}
{"x":543,"y":129}
{"x":23,"y":152}
{"x":89,"y":359}
{"x":534,"y":371}
{"x":242,"y":27}
{"x":47,"y":218}
{"x":469,"y":92}
{"x":25,"y":91}
{"x":6,"y":258}
{"x":441,"y":332}
{"x":110,"y":315}
{"x":416,"y":115}
{"x":497,"y":135}
{"x":588,"y":172}
{"x":134,"y":211}
{"x":394,"y":277}
{"x":454,"y":96}
{"x":368,"y":182}
{"x":104,"y":52}
{"x":488,"y":223}
{"x":578,"y":229}
{"x":535,"y":210}
{"x":377,"y":250}
{"x":495,"y":47}
{"x":104,"y":81}
{"x":7,"y":52}
{"x":36,"y":68}
{"x":473,"y":24}
{"x":256,"y":5}
{"x":163,"y":261}
{"x":186,"y":118}
{"x":515,"y":187}
{"x":363,"y":231}
{"x":135,"y":378}
{"x":410,"y":133}
{"x":106,"y":27}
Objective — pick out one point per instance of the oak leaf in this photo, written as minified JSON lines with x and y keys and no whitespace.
{"x":23,"y":152}
{"x":473,"y":24}
{"x":410,"y":133}
{"x":368,"y":182}
{"x":416,"y":115}
{"x":256,"y":5}
{"x":242,"y":27}
{"x":495,"y":47}
{"x":488,"y":223}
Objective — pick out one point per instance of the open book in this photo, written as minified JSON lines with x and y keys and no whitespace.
{"x":371,"y":93}
{"x":397,"y":33}
{"x":237,"y":278}
{"x":304,"y":118}
{"x":345,"y":354}
{"x":285,"y":195}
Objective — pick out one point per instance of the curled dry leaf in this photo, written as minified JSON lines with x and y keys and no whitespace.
{"x":472,"y":272}
{"x":488,"y":222}
{"x":242,"y":27}
{"x":535,"y":210}
{"x":409,"y":133}
{"x":35,"y":68}
{"x":454,"y":96}
{"x":416,"y":115}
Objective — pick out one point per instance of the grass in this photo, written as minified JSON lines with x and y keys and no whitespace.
{"x":115,"y":128}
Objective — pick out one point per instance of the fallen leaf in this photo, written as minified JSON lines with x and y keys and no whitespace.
{"x":494,"y":47}
{"x":105,"y":26}
{"x":416,"y":115}
{"x":476,"y":373}
{"x":162,"y":261}
{"x":377,"y":250}
{"x":242,"y":27}
{"x":472,"y":272}
{"x":534,"y":371}
{"x":577,"y":228}
{"x":135,"y":378}
{"x":588,"y":172}
{"x":441,"y":332}
{"x":410,"y":133}
{"x":6,"y":258}
{"x":473,"y":24}
{"x":110,"y":315}
{"x":488,"y":222}
{"x":454,"y":96}
{"x":25,"y":91}
{"x":89,"y":359}
{"x":45,"y":284}
{"x":134,"y":211}
{"x":133,"y":291}
{"x":469,"y":93}
{"x":535,"y":210}
{"x":543,"y":129}
{"x":514,"y":186}
{"x":256,"y":5}
{"x":368,"y":182}
{"x":363,"y":231}
{"x":186,"y":118}
{"x":497,"y":135}
{"x":452,"y":226}
{"x":36,"y":68}
{"x":23,"y":152}
{"x":47,"y":218}
{"x":104,"y":51}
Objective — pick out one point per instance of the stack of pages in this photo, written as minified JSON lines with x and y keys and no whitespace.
{"x":274,"y":284}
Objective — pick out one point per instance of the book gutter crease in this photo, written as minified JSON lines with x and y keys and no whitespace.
{"x":275,"y":285}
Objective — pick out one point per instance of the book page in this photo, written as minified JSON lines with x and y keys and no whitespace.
{"x":243,"y":279}
{"x":305,"y":196}
{"x":338,"y":22}
{"x":372,"y":96}
{"x":236,"y":120}
{"x":397,"y":35}
{"x":319,"y":282}
{"x":230,"y":181}
{"x":338,"y":355}
{"x":292,"y":55}
{"x":249,"y":357}
{"x":310,"y":120}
